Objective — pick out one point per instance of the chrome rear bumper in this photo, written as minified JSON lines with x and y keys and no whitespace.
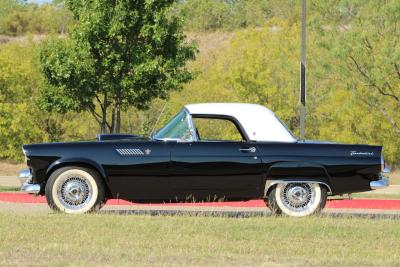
{"x":381,"y":183}
{"x":25,"y":177}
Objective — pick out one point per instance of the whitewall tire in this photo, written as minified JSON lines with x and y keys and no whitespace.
{"x":75,"y":190}
{"x":297,"y":199}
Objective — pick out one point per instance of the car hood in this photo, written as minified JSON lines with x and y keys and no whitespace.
{"x":58,"y":147}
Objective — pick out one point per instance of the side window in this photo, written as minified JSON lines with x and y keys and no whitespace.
{"x":216,"y":129}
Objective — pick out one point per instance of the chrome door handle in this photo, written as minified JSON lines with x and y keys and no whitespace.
{"x":248,"y":149}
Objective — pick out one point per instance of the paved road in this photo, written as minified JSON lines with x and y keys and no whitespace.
{"x":9,"y":181}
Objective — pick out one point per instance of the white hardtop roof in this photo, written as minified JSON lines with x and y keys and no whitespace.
{"x":259,"y":123}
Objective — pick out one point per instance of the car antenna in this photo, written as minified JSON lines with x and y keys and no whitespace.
{"x":158,"y":118}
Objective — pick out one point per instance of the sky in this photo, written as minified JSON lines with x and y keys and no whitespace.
{"x":39,"y":1}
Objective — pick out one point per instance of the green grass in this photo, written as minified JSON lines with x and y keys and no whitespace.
{"x":9,"y":188}
{"x":90,"y":240}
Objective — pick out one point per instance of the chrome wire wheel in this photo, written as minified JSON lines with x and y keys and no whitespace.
{"x":298,"y":199}
{"x":74,"y":192}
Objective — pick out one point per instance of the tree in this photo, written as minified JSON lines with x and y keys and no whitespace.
{"x":19,"y":18}
{"x":373,"y":56}
{"x":119,"y":54}
{"x":361,"y":39}
{"x":18,"y":82}
{"x":260,"y":66}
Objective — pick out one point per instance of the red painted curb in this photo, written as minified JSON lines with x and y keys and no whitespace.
{"x":378,"y":204}
{"x":26,"y":198}
{"x":257,"y":203}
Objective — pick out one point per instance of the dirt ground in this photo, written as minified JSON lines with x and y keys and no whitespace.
{"x":8,"y":168}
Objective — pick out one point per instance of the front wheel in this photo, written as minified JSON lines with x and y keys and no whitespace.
{"x":75,"y":190}
{"x":298,"y":199}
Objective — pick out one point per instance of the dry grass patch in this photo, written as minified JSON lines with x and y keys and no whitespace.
{"x":394,"y":177}
{"x":102,"y":240}
{"x":10,"y":168}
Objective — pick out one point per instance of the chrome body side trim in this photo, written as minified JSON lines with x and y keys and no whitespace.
{"x":270,"y":183}
{"x":381,"y":183}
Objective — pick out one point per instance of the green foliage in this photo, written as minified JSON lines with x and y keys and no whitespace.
{"x":261,"y":71}
{"x":362,"y":43}
{"x":7,"y":6}
{"x":216,"y":129}
{"x":212,"y":15}
{"x":21,"y":121}
{"x":18,"y":80}
{"x":18,"y":18}
{"x":118,"y":55}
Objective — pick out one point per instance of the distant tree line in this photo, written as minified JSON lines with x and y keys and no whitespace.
{"x":19,"y":17}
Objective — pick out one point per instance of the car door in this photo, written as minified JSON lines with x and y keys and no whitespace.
{"x":216,"y":166}
{"x":213,"y":170}
{"x":139,"y":170}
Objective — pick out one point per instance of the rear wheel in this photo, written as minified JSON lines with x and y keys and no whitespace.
{"x":297,"y":199}
{"x":75,"y":190}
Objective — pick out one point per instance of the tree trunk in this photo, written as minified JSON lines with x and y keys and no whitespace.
{"x":103,"y":125}
{"x":103,"y":121}
{"x":118,"y":124}
{"x":112,"y":127}
{"x":118,"y":108}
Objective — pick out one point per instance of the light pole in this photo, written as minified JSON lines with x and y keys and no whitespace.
{"x":303,"y":83}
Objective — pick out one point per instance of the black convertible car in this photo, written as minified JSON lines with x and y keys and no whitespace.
{"x":207,"y":152}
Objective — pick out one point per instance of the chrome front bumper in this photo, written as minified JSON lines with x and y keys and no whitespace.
{"x":381,"y":183}
{"x":25,"y":177}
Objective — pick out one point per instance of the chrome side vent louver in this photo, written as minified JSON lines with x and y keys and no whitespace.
{"x":129,"y":151}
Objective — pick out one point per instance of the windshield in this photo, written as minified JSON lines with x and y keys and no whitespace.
{"x":176,"y":129}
